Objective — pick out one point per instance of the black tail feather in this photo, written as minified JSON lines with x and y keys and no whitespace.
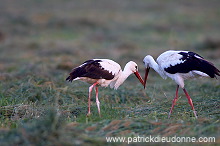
{"x":217,"y":72}
{"x":69,"y":79}
{"x":209,"y":68}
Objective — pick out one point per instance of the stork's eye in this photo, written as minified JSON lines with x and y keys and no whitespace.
{"x":136,"y":67}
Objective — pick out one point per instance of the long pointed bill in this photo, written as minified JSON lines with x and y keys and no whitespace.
{"x":146,"y":75}
{"x":139,"y":77}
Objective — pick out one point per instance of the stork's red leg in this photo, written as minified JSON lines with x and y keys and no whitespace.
{"x":97,"y":99}
{"x":89,"y":103}
{"x":174,"y":101}
{"x":190,"y":101}
{"x":89,"y":98}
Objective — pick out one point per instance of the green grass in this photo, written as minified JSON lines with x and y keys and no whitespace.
{"x":40,"y":44}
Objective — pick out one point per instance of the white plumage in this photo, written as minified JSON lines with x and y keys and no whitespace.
{"x":179,"y":66}
{"x":169,"y":58}
{"x":103,"y":72}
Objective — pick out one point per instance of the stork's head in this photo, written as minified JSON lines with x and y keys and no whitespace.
{"x":132,"y":67}
{"x":147,"y":64}
{"x":147,"y":60}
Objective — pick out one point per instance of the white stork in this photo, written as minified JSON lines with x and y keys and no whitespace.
{"x":103,"y":72}
{"x":180,"y":65}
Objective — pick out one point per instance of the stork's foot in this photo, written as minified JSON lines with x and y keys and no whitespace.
{"x":88,"y":114}
{"x":169,"y":115}
{"x":195,"y":114}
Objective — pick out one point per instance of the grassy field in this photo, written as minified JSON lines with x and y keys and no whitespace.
{"x":41,"y":41}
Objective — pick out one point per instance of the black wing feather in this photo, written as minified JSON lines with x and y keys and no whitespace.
{"x":91,"y":69}
{"x":193,"y":61}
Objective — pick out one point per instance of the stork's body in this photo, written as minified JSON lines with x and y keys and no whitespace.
{"x":103,"y":72}
{"x":179,"y":66}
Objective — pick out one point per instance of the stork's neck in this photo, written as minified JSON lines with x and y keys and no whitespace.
{"x":123,"y":76}
{"x":153,"y":64}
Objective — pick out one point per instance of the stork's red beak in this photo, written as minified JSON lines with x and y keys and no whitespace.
{"x":146,"y":74}
{"x":139,"y":77}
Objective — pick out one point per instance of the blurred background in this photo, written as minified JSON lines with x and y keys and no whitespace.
{"x":42,"y":40}
{"x":64,"y":33}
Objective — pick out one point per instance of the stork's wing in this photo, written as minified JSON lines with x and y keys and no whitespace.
{"x":191,"y":61}
{"x":91,"y":69}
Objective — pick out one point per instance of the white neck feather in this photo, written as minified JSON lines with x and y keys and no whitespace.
{"x":153,"y":64}
{"x":123,"y":76}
